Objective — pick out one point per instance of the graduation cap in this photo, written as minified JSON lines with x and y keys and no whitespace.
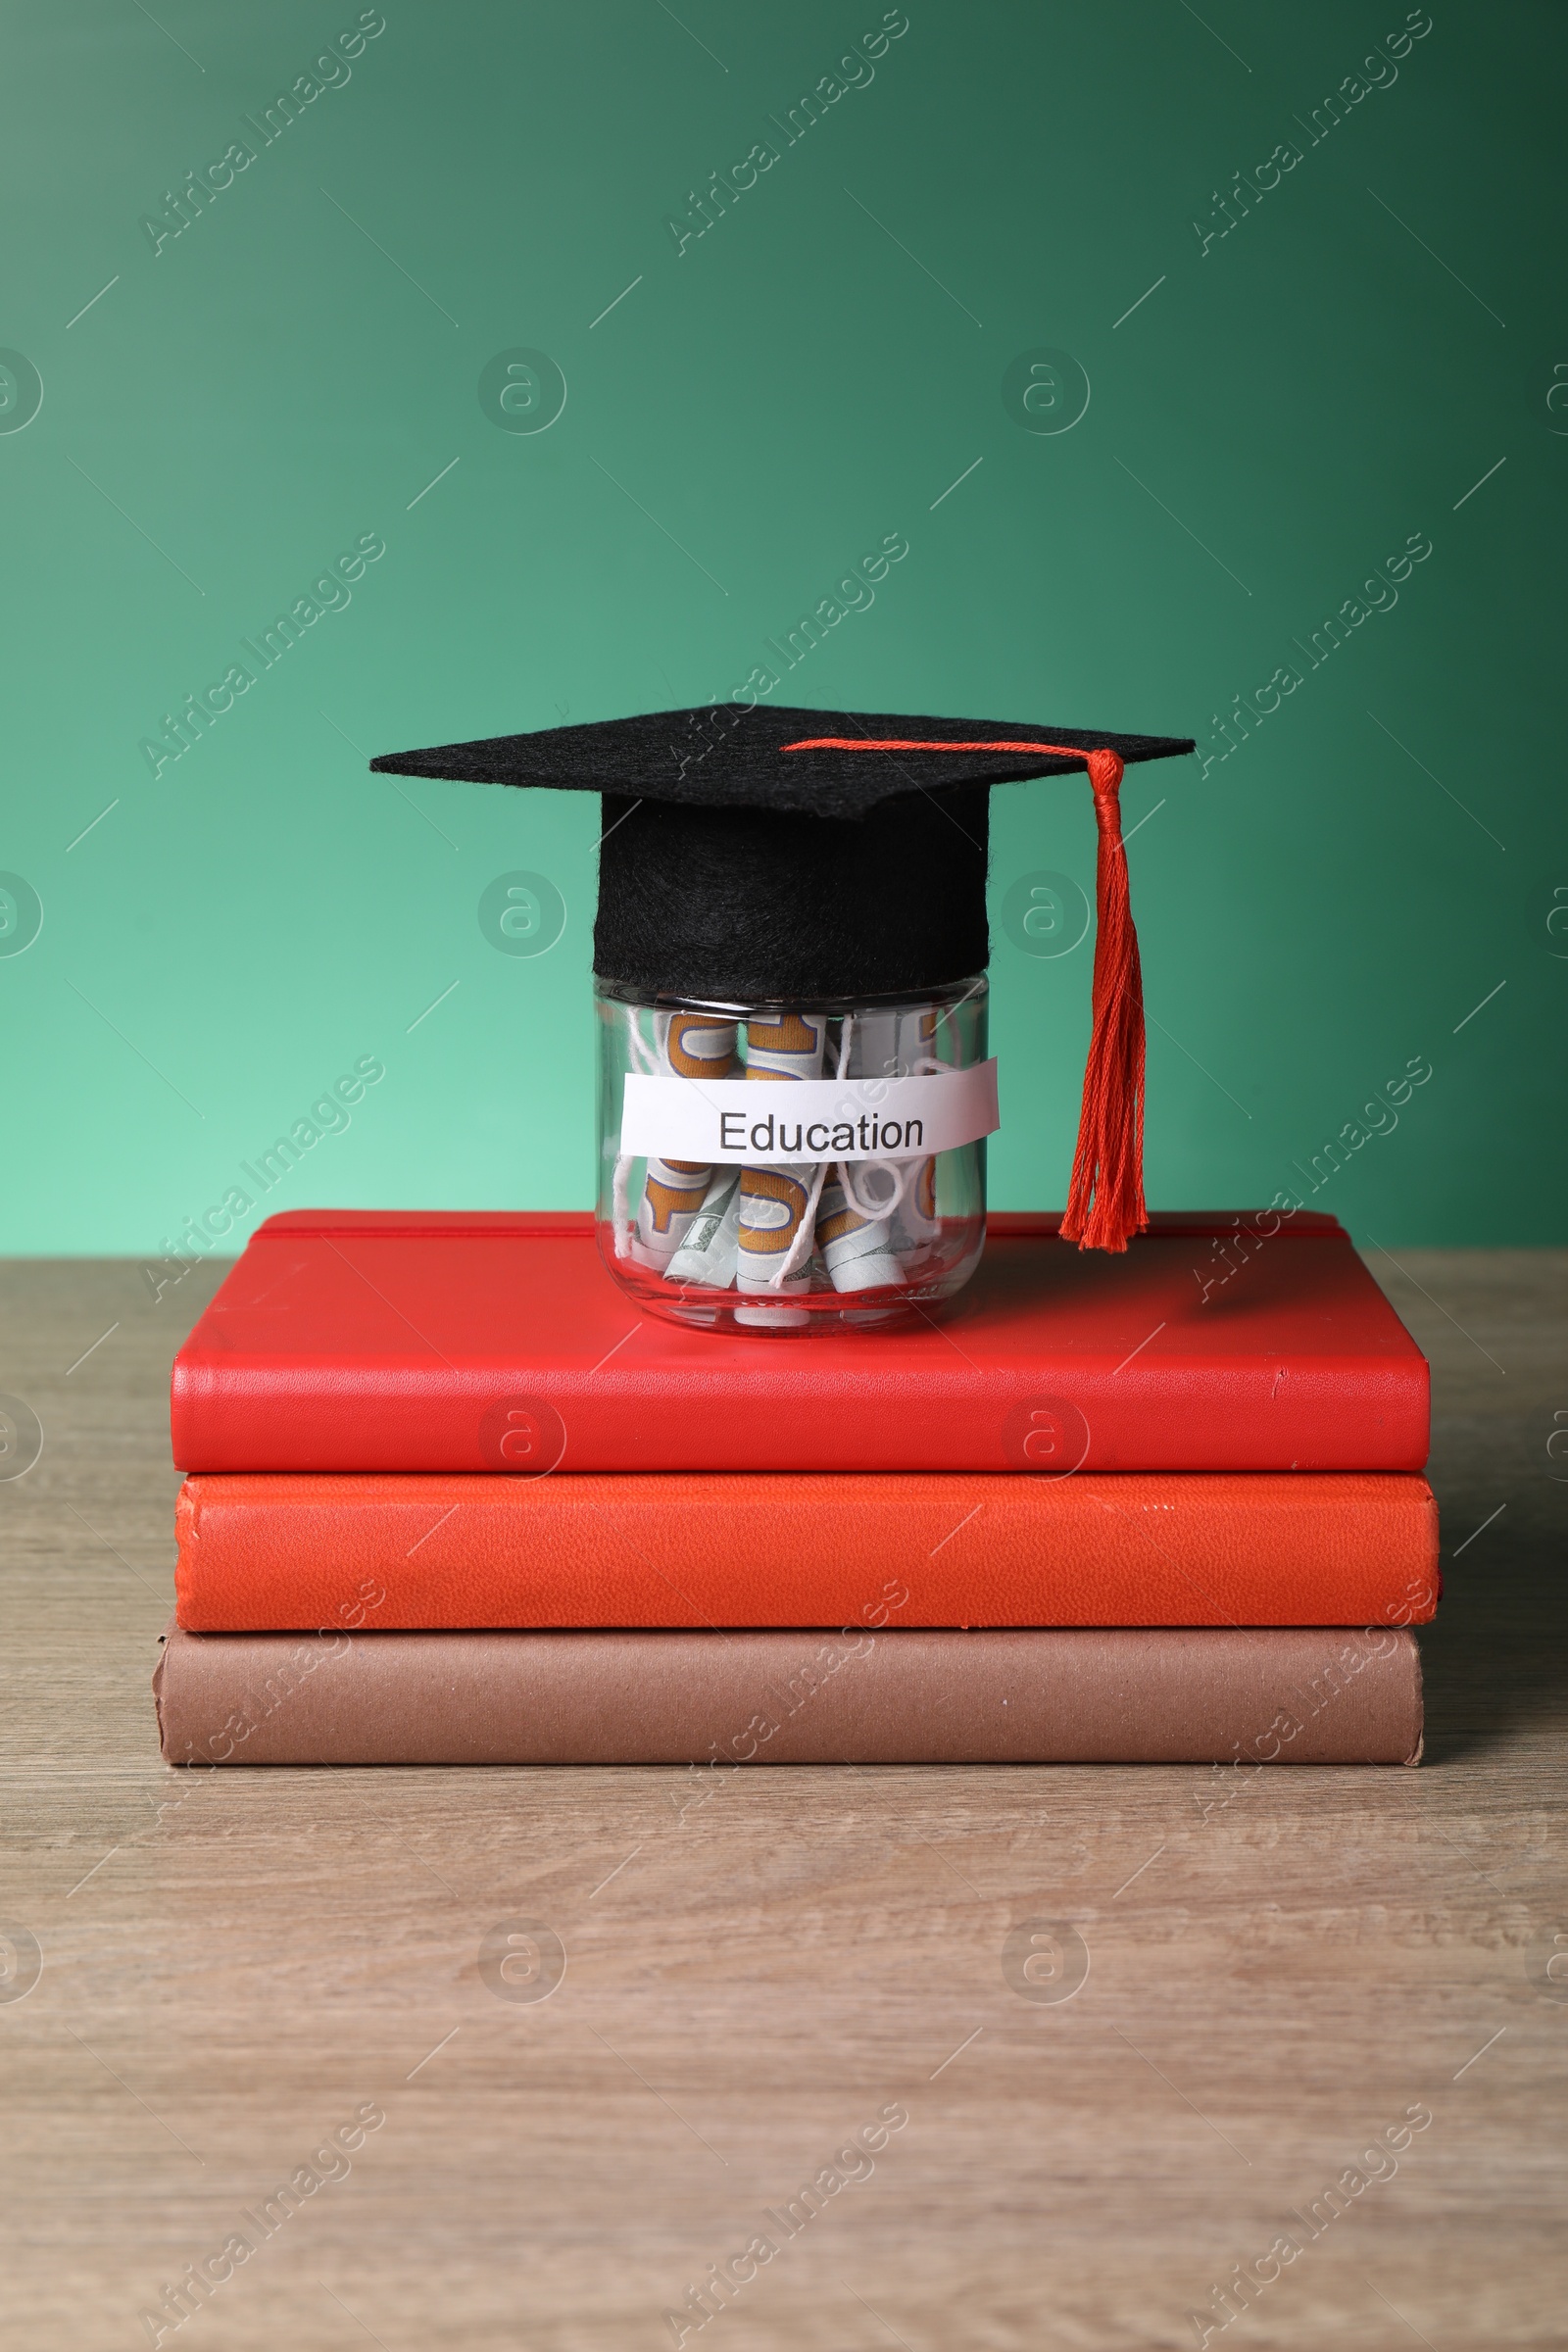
{"x":750,"y":853}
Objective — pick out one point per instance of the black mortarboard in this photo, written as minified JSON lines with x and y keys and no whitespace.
{"x":751,"y":853}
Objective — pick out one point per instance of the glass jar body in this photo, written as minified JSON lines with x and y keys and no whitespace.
{"x":786,"y":1240}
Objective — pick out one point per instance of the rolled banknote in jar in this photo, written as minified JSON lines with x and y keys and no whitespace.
{"x":915,"y":1224}
{"x":778,"y":1198}
{"x":883,"y":1211}
{"x":858,"y":1252}
{"x":902,"y":1193}
{"x":687,"y":1045}
{"x":706,"y":1257}
{"x":857,"y":1239}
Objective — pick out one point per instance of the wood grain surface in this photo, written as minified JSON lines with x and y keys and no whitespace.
{"x":1280,"y":1967}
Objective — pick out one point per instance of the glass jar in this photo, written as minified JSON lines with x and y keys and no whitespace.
{"x":720,"y":1205}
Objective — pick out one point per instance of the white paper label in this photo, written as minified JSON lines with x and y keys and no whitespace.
{"x":745,"y":1122}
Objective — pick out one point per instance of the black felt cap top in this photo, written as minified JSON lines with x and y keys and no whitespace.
{"x":735,"y":756}
{"x":753,"y":851}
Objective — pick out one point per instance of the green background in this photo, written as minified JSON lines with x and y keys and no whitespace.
{"x":1283,"y":411}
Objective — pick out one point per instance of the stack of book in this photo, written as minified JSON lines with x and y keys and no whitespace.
{"x":450,"y":1499}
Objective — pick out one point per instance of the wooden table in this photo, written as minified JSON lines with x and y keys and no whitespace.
{"x":235,"y":1963}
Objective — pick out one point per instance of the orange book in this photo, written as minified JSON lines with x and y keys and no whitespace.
{"x":384,"y":1552}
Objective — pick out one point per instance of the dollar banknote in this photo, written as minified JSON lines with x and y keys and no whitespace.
{"x":693,"y":1045}
{"x":706,"y":1257}
{"x":858,"y":1252}
{"x":778,"y":1203}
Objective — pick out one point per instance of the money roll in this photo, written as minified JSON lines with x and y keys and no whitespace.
{"x":856,"y":1247}
{"x":777,"y":1198}
{"x":915,"y":1224}
{"x":706,"y":1257}
{"x":856,"y":1251}
{"x":687,"y":1045}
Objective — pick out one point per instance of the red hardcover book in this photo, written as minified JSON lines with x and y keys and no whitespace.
{"x":469,"y":1342}
{"x":262,"y":1553}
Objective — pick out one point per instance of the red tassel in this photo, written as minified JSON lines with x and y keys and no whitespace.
{"x":1105,"y":1197}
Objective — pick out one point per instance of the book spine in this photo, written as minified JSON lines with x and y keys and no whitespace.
{"x":266,"y":1554}
{"x":231,"y":1416}
{"x":1221,"y":1696}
